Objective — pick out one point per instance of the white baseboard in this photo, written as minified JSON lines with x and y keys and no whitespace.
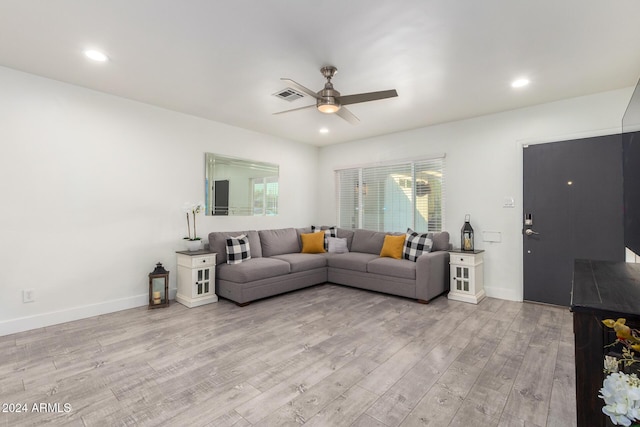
{"x":28,"y":323}
{"x":503,"y":293}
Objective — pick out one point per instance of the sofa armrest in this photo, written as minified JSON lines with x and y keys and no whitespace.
{"x":432,"y":275}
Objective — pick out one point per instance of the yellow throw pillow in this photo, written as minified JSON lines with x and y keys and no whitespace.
{"x":392,"y":246}
{"x":312,"y":243}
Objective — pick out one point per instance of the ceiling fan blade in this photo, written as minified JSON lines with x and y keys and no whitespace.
{"x":365,"y":97}
{"x":302,"y":88}
{"x":295,"y":109}
{"x":348,"y":116}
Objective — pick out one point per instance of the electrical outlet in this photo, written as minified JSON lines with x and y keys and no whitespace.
{"x":28,"y":295}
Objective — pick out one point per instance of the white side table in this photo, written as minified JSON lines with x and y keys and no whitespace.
{"x":467,"y":282}
{"x":196,"y":278}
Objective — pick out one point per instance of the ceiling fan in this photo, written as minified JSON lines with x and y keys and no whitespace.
{"x":329,"y":100}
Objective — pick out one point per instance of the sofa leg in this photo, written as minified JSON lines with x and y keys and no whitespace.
{"x":421,"y":301}
{"x":243,"y":304}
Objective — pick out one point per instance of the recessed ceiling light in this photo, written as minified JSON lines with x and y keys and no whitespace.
{"x":96,"y":55}
{"x":323,"y":130}
{"x":520,"y":82}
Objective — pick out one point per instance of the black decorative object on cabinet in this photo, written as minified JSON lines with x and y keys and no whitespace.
{"x":466,"y":235}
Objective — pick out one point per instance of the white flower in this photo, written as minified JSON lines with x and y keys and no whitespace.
{"x":621,"y":394}
{"x":193,"y":209}
{"x":611,"y":364}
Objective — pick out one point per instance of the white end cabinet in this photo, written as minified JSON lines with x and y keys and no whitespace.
{"x":196,"y":278}
{"x":467,"y":282}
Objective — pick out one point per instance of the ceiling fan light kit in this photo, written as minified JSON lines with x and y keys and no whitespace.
{"x":329,"y":100}
{"x":329,"y":107}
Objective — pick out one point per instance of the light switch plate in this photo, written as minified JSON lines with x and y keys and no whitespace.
{"x":509,"y":202}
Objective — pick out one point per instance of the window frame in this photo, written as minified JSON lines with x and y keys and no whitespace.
{"x":345,"y":195}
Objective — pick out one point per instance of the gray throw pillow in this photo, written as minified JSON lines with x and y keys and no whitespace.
{"x":337,"y":245}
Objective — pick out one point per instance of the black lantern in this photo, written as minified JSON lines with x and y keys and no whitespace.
{"x":159,"y":287}
{"x":466,"y":235}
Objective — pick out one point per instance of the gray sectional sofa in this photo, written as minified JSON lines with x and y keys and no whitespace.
{"x":277,"y":266}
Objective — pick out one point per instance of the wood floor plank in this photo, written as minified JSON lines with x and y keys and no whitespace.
{"x":404,"y":395}
{"x":345,"y":410}
{"x":562,"y":407}
{"x":230,"y":419}
{"x":436,"y":409}
{"x":365,"y":420}
{"x":470,"y":413}
{"x":387,"y":374}
{"x":272,"y":399}
{"x":530,"y":397}
{"x":302,"y":408}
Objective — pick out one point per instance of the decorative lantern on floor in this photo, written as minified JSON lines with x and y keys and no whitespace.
{"x":466,"y":235}
{"x":159,"y":287}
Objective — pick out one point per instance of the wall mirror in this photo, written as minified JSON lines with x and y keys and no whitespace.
{"x":240,"y":187}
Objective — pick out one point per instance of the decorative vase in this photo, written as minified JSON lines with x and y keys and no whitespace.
{"x":193,"y":245}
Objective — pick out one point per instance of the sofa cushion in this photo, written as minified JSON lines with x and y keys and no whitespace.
{"x":303,"y":262}
{"x":440,"y":241}
{"x":218,"y":243}
{"x":393,"y":267}
{"x":312,"y":243}
{"x":253,"y":269}
{"x":280,"y":241}
{"x":238,"y":249}
{"x":300,"y":231}
{"x":367,"y":241}
{"x":344,"y":233}
{"x":392,"y":246}
{"x":416,"y":244}
{"x":351,"y":261}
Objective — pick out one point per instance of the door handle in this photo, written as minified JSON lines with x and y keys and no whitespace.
{"x":530,"y":232}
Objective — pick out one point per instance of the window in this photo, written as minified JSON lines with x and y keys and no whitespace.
{"x":264,"y":195}
{"x":392,"y":197}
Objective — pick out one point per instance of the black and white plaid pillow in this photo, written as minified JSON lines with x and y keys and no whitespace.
{"x":238,"y":249}
{"x":415,"y":244}
{"x":329,"y":232}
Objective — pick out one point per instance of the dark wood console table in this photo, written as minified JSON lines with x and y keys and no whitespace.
{"x":601,"y":290}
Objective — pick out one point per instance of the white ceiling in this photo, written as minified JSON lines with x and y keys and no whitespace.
{"x":223,"y":60}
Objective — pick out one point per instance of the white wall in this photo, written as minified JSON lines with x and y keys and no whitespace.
{"x":483,"y":166}
{"x":92,"y":189}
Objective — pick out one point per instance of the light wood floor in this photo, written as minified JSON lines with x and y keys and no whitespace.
{"x":324,"y":356}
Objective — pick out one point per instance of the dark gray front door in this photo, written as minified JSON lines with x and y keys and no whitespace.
{"x":573,"y":191}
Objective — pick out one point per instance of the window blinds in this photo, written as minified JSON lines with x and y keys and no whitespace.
{"x":392,"y":197}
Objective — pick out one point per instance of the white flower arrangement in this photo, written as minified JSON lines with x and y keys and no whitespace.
{"x":621,"y":391}
{"x":621,"y":394}
{"x":193,"y":209}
